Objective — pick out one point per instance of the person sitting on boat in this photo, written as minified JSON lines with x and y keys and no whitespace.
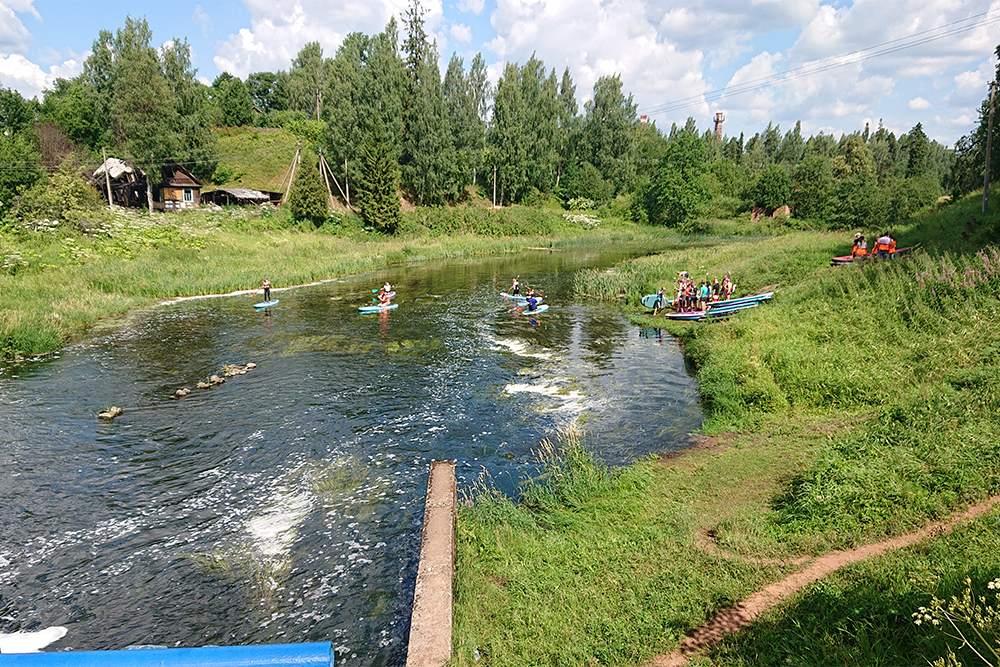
{"x":531,"y":291}
{"x":383,"y":297}
{"x":266,"y":286}
{"x":387,"y":288}
{"x":532,"y":303}
{"x":860,"y":247}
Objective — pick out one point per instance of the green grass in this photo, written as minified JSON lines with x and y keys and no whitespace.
{"x":253,"y":157}
{"x":862,"y":402}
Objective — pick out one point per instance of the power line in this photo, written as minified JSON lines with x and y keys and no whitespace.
{"x":834,"y":62}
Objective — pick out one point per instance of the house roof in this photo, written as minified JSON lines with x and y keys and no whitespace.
{"x":177,"y":176}
{"x":116,"y":169}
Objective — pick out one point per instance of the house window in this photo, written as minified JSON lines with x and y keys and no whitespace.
{"x":188,"y":195}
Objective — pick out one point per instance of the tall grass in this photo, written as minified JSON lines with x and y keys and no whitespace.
{"x":869,"y":400}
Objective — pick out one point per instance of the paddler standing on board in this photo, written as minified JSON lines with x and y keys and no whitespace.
{"x":515,"y":287}
{"x":266,"y":286}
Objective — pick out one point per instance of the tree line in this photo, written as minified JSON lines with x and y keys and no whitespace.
{"x":389,"y":123}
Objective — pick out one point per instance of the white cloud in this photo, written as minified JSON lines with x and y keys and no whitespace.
{"x":474,"y":6}
{"x":29,"y":79}
{"x":919,"y":104}
{"x":280,"y":28}
{"x":462,"y":33}
{"x":14,"y":37}
{"x":201,"y":19}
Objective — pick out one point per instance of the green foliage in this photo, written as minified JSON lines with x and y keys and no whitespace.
{"x":307,"y":79}
{"x":675,"y":197}
{"x":20,"y":158}
{"x":610,"y":133}
{"x":857,"y":203}
{"x":506,"y":147}
{"x":72,"y":105}
{"x":308,"y":198}
{"x":268,"y":91}
{"x":234,"y":103}
{"x":65,"y":195}
{"x":16,"y":113}
{"x":467,"y":219}
{"x":378,"y":191}
{"x":813,"y":187}
{"x":427,"y":164}
{"x":906,"y":196}
{"x":917,"y":148}
{"x":772,"y":189}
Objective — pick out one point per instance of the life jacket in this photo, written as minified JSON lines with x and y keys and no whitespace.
{"x":892,"y":245}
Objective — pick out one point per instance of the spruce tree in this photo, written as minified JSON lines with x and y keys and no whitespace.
{"x":917,"y":145}
{"x":378,"y":195}
{"x":308,"y":198}
{"x":506,"y":139}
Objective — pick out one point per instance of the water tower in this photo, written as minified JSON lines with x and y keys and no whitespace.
{"x":719,"y":118}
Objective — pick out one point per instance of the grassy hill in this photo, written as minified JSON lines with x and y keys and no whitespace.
{"x":253,"y":157}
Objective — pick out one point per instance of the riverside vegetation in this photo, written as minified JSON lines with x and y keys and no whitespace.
{"x":863,"y":402}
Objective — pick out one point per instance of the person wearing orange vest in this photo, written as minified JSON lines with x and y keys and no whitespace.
{"x":860,"y":247}
{"x":892,"y":246}
{"x":882,"y":246}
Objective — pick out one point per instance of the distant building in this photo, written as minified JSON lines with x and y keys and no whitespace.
{"x":179,"y":189}
{"x":240,"y":197}
{"x":128,"y":184}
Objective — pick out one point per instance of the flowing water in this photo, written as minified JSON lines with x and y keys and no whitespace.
{"x":286,"y":504}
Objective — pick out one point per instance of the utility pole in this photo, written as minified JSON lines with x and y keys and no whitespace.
{"x":989,"y":149}
{"x":494,"y":186}
{"x":107,"y":176}
{"x":347,"y":186}
{"x":149,"y":187}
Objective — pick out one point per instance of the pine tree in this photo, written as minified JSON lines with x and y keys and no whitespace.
{"x":378,"y":196}
{"x":917,"y":144}
{"x":506,"y":139}
{"x":428,"y":155}
{"x":308,"y":199}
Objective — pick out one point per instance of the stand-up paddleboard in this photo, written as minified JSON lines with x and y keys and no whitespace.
{"x":265,"y":304}
{"x":649,"y":301}
{"x":520,"y":298}
{"x":524,"y":310}
{"x":377,"y":308}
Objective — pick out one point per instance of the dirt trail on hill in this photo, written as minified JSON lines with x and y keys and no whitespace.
{"x":735,"y":618}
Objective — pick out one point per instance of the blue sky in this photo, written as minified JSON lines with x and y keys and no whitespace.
{"x":925,"y":61}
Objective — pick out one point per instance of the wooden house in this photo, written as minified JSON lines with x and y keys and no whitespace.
{"x":179,"y":189}
{"x":127,"y":183}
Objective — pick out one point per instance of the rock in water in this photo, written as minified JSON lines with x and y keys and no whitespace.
{"x":111,"y":412}
{"x":30,"y":642}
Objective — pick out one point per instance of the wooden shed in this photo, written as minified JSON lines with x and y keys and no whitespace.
{"x":179,"y":189}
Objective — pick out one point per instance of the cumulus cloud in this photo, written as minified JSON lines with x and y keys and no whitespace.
{"x":29,"y":79}
{"x":14,"y":37}
{"x":919,"y":103}
{"x":280,"y":28}
{"x":474,"y":6}
{"x":462,"y":33}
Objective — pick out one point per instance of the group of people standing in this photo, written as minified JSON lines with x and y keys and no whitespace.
{"x":690,"y":296}
{"x":883,"y":247}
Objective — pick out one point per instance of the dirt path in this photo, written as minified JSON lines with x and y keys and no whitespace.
{"x":735,"y":618}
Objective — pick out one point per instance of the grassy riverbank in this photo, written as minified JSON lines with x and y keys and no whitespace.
{"x":861,"y":403}
{"x":55,"y":284}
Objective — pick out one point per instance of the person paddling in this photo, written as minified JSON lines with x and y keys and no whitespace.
{"x":266,"y":286}
{"x":515,"y":287}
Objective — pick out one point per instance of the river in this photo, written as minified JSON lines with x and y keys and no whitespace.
{"x":286,"y":504}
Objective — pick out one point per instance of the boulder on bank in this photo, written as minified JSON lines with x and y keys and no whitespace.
{"x":203,"y":385}
{"x":183,"y":391}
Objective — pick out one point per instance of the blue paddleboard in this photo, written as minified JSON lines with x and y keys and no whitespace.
{"x":377,"y":309}
{"x":265,"y":304}
{"x":541,"y":309}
